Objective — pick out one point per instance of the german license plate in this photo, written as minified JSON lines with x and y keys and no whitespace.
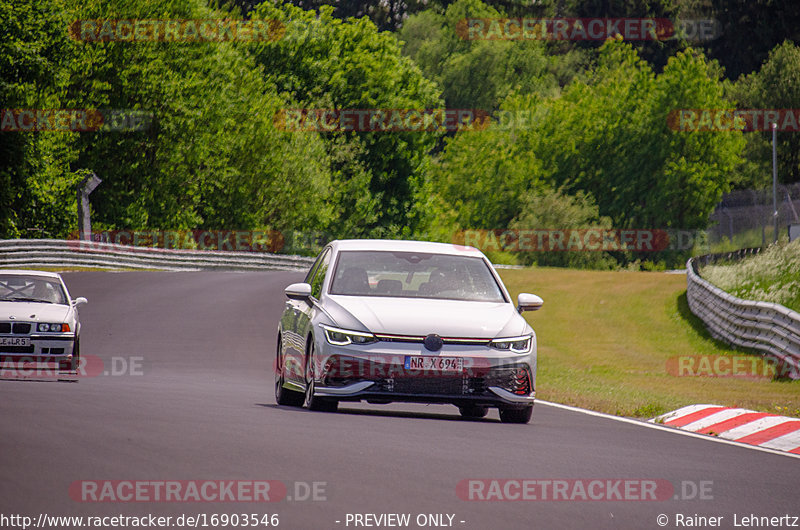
{"x":439,"y":364}
{"x":15,"y":341}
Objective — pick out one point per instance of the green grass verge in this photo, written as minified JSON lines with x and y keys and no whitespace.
{"x":605,"y":339}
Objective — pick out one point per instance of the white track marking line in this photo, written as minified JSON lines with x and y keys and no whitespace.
{"x":665,"y":428}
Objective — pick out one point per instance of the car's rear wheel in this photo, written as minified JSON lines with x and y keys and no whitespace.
{"x":313,"y":402}
{"x":284,"y":396}
{"x":473,"y":412}
{"x":516,"y":415}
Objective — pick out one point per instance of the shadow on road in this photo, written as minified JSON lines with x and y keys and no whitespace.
{"x":384,"y":412}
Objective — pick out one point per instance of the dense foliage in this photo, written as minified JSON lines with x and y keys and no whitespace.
{"x":580,"y":134}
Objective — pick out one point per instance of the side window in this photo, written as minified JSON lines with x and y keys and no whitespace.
{"x":319,"y":275}
{"x":313,"y":269}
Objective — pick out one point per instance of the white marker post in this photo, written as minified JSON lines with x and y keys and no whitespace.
{"x":86,"y":186}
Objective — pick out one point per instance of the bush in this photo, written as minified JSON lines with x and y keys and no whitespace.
{"x":772,"y":276}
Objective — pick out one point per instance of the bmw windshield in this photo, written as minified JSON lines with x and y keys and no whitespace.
{"x":17,"y":288}
{"x":414,"y":275}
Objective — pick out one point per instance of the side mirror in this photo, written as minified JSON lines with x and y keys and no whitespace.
{"x":528,"y":302}
{"x":80,"y":301}
{"x":298,"y":291}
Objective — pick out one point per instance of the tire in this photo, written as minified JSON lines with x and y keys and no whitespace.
{"x":76,"y":355}
{"x":522,"y":415}
{"x":72,"y":365}
{"x":319,"y":404}
{"x":473,"y":412}
{"x":284,"y":396}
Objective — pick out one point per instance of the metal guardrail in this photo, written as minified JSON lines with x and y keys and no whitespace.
{"x":762,"y":326}
{"x":22,"y":253}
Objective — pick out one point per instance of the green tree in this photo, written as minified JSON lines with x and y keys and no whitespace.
{"x":610,"y":137}
{"x":749,"y":30}
{"x":211,"y":158}
{"x":323,"y":62}
{"x":33,"y":44}
{"x":605,"y":139}
{"x":548,"y":208}
{"x":775,"y":86}
{"x":481,"y":73}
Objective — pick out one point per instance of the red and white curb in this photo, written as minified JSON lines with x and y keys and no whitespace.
{"x":739,"y":425}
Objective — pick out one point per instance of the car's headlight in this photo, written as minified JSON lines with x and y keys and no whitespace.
{"x":513,"y":344}
{"x":42,"y":326}
{"x":343,"y":337}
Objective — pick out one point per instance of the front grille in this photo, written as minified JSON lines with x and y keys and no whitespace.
{"x":441,"y":386}
{"x":398,"y":338}
{"x":425,"y":385}
{"x":392,"y":378}
{"x":464,"y":341}
{"x":5,"y":327}
{"x":20,"y":328}
{"x":478,"y":385}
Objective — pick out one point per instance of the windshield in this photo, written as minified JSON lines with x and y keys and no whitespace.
{"x":414,"y":275}
{"x":15,"y":288}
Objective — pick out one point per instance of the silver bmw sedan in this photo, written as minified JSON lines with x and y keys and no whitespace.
{"x":407,"y":321}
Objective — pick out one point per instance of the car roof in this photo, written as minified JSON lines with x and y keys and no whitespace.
{"x":401,"y":245}
{"x":19,"y":272}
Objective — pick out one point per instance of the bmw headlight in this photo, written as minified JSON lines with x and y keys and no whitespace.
{"x":513,"y":344}
{"x":343,"y":337}
{"x":43,"y":326}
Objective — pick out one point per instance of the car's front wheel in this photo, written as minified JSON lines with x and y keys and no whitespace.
{"x":76,"y":355}
{"x":313,"y":402}
{"x":516,"y":415}
{"x":74,"y":363}
{"x":284,"y":396}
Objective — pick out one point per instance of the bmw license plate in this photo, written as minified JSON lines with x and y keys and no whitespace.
{"x":438,"y":364}
{"x":15,"y":341}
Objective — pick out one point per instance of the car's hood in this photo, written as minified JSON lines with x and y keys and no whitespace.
{"x":33,"y":312}
{"x":419,"y":317}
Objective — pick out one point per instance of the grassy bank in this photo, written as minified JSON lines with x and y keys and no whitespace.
{"x":772,"y":276}
{"x":605,"y":339}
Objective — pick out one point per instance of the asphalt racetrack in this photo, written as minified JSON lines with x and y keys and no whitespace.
{"x":187,"y":396}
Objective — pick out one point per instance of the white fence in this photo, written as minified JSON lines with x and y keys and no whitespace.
{"x":22,"y":253}
{"x":766,"y":327}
